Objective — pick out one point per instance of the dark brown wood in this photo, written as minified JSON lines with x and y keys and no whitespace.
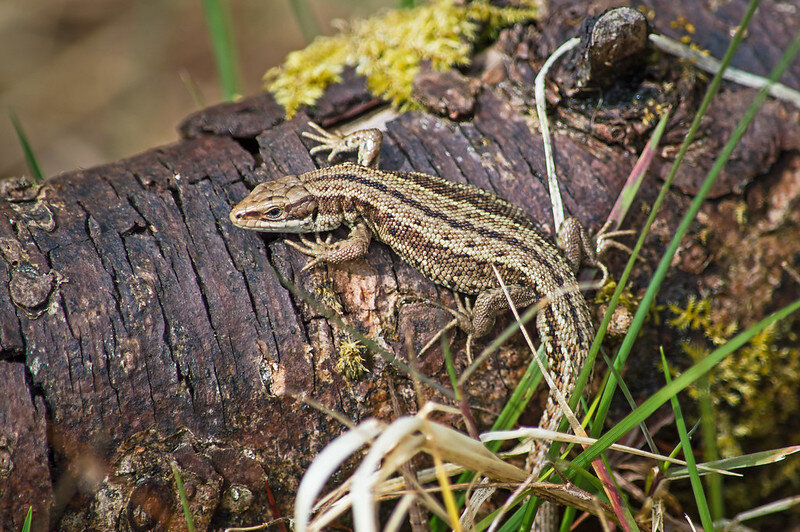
{"x":24,"y":474}
{"x":138,"y":327}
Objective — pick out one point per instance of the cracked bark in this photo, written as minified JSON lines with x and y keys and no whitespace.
{"x":138,"y":327}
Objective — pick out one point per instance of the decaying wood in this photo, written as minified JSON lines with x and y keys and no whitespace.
{"x":139,"y":328}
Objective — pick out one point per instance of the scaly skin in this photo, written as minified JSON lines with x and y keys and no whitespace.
{"x":452,"y":233}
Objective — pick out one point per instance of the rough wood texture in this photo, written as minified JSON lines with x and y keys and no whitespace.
{"x":138,"y":327}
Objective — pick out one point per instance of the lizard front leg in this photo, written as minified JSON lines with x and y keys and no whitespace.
{"x":353,"y":247}
{"x":367,"y":142}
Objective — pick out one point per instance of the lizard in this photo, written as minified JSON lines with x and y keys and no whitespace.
{"x":454,"y":234}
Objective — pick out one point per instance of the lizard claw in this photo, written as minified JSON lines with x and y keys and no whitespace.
{"x":310,"y":264}
{"x":366,"y":142}
{"x":604,"y":240}
{"x":333,"y":141}
{"x":319,"y":250}
{"x":464,"y":314}
{"x":323,"y":135}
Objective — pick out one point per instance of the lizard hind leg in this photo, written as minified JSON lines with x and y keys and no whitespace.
{"x":582,"y":249}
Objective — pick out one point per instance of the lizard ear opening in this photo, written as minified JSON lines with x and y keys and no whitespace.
{"x":305,"y":207}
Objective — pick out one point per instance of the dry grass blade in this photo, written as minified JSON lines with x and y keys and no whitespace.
{"x":712,"y":65}
{"x":326,"y":462}
{"x":551,"y":435}
{"x":541,"y":111}
{"x":392,"y":446}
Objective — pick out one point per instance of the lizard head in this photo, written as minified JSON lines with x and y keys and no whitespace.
{"x":280,"y":206}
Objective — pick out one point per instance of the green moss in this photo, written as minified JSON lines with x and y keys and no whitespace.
{"x":351,"y":359}
{"x":388,"y":49}
{"x":754,"y":394}
{"x":753,"y":390}
{"x":695,"y":316}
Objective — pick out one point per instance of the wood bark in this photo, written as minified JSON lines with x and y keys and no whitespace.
{"x":139,"y":328}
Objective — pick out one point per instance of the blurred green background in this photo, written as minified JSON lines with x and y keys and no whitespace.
{"x":92,"y":81}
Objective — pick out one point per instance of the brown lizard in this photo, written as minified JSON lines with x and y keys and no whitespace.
{"x":452,"y":233}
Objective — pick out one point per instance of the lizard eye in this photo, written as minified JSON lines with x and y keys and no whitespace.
{"x":273,"y":213}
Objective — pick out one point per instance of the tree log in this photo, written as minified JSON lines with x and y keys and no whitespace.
{"x":139,"y":328}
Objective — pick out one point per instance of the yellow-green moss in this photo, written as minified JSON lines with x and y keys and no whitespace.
{"x":754,"y":389}
{"x":350,"y":363}
{"x":697,"y":317}
{"x":627,"y":300}
{"x":327,"y":295}
{"x":387,"y":50}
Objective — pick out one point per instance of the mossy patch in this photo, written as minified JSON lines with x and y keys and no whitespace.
{"x":350,"y":363}
{"x":754,"y":389}
{"x":389,"y":48}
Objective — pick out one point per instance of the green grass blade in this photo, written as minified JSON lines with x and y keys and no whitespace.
{"x":451,"y":367}
{"x":218,"y":22}
{"x":738,"y":462}
{"x":689,"y":376}
{"x":631,"y":402}
{"x":26,"y":525}
{"x":649,"y":297}
{"x":187,"y":514}
{"x":691,"y":465}
{"x":30,"y":157}
{"x":708,"y":424}
{"x":305,"y":19}
{"x":512,"y":524}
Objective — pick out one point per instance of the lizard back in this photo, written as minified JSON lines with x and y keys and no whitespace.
{"x":449,"y":231}
{"x":453,"y":233}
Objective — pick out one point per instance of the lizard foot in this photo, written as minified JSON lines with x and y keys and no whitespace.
{"x":604,"y":240}
{"x":462,"y":318}
{"x":333,"y":141}
{"x":320,"y":250}
{"x":367,"y":142}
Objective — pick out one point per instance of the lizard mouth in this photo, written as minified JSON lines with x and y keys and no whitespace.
{"x":246,"y":219}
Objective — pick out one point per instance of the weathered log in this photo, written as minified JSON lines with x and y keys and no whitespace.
{"x":138,"y":328}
